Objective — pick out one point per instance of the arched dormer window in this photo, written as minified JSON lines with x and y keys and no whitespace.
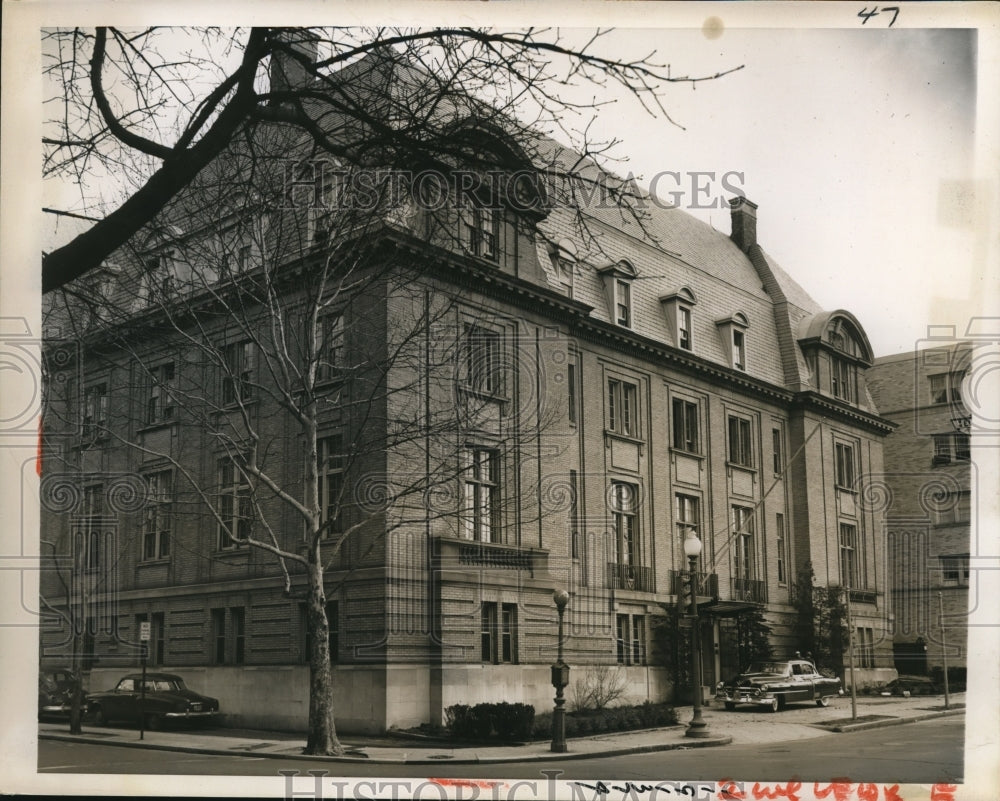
{"x":837,"y":350}
{"x":679,"y":308}
{"x":618,"y":278}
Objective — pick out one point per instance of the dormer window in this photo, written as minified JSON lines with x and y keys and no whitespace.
{"x":739,"y":350}
{"x":838,"y":353}
{"x":623,"y":303}
{"x":679,"y":310}
{"x":618,"y":279}
{"x":480,"y":226}
{"x":734,"y":338}
{"x":684,"y":328}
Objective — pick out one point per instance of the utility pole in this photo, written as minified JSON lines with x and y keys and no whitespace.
{"x":944,"y":647}
{"x":850,"y":658}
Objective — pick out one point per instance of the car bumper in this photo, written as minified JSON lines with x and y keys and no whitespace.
{"x":743,"y":700}
{"x":185,"y":715}
{"x":54,"y":709}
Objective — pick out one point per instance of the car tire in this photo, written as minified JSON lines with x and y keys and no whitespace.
{"x":154,"y":722}
{"x":775,"y":705}
{"x":823,"y":700}
{"x":730,"y":705}
{"x":100,"y":719}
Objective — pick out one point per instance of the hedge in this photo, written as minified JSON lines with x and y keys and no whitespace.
{"x":618,"y":718}
{"x":502,"y":721}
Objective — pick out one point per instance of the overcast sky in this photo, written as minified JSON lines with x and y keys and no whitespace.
{"x":857,"y":145}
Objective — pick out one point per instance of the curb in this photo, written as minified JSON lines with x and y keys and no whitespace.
{"x":878,"y":724}
{"x":636,"y":749}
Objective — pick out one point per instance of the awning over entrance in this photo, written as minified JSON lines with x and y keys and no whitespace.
{"x":719,"y":608}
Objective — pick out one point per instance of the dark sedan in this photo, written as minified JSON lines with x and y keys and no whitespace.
{"x":166,"y":700}
{"x":55,"y":691}
{"x":773,"y":684}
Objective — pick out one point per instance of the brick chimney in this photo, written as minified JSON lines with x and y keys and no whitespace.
{"x":285,"y":71}
{"x":744,"y":216}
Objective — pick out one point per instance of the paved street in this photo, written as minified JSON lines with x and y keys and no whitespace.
{"x":923,"y":752}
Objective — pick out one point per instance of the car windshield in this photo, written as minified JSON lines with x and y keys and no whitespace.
{"x":777,"y":668}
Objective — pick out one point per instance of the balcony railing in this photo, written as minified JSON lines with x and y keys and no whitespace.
{"x":750,"y":590}
{"x":707,"y":583}
{"x":630,"y":577}
{"x":455,"y":553}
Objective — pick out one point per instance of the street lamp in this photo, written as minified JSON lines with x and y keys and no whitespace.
{"x":697,"y":727}
{"x":560,"y":678}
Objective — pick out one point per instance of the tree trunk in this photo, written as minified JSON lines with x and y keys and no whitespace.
{"x":322,"y":730}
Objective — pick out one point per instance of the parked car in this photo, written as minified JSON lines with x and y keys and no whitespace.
{"x":773,"y":684}
{"x":55,"y":691}
{"x":166,"y":699}
{"x":911,"y":685}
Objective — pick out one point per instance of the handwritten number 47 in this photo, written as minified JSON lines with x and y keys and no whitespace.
{"x":866,"y":15}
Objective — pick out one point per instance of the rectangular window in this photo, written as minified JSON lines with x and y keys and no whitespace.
{"x":687,"y":514}
{"x":479,"y":227}
{"x":739,"y":350}
{"x":779,"y":528}
{"x":508,"y":632}
{"x":156,"y":527}
{"x":849,"y":573}
{"x":952,"y":508}
{"x":865,"y":647}
{"x":630,"y":639}
{"x":955,"y":569}
{"x":235,"y":506}
{"x":237,"y":616}
{"x":623,"y":303}
{"x":488,"y":626}
{"x":740,"y":447}
{"x":961,"y":445}
{"x":243,"y":257}
{"x":160,"y":405}
{"x":482,"y":360}
{"x":842,"y":382}
{"x":684,"y":327}
{"x":237,"y":381}
{"x":571,"y":389}
{"x":623,"y":511}
{"x":218,"y":636}
{"x":685,"y":419}
{"x":95,"y":411}
{"x":844,"y":455}
{"x":481,"y":514}
{"x":498,"y":633}
{"x":330,"y":475}
{"x":623,"y":412}
{"x":744,"y":560}
{"x":946,"y":387}
{"x":329,"y":346}
{"x":777,"y":451}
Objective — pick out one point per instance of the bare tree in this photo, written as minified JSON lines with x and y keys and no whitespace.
{"x":148,"y":110}
{"x":258,"y":325}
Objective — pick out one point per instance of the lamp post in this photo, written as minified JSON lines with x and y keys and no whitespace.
{"x":697,"y":727}
{"x":560,"y":678}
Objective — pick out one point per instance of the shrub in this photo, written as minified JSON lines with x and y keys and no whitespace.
{"x":956,"y":678}
{"x":503,"y":721}
{"x":600,"y":687}
{"x":620,"y":718}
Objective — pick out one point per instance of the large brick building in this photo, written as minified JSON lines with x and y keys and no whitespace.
{"x":564,"y":392}
{"x":928,"y":512}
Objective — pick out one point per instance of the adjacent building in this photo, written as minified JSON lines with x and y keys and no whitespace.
{"x":509,"y":398}
{"x":927,"y":486}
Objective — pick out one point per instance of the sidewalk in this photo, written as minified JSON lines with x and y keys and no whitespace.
{"x":739,"y":726}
